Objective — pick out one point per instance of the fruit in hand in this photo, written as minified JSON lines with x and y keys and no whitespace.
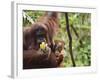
{"x":43,"y":46}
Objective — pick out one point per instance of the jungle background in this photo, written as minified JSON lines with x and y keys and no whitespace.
{"x":80,"y":27}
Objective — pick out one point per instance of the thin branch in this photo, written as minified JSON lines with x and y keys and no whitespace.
{"x":77,"y":35}
{"x":25,"y":15}
{"x":70,"y":39}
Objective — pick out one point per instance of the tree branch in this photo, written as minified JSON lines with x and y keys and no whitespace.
{"x":70,"y":39}
{"x":80,"y":41}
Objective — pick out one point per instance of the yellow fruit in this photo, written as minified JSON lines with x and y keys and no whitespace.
{"x":43,"y":45}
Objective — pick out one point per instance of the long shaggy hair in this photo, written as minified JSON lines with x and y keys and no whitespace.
{"x":48,"y":23}
{"x":41,"y":31}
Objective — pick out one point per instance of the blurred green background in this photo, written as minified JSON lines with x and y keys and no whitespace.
{"x":82,"y":24}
